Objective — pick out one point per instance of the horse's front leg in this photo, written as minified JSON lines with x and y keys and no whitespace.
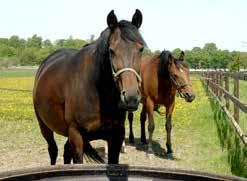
{"x":143,"y":118}
{"x":115,"y":144}
{"x":169,"y":111}
{"x":151,"y":126}
{"x":131,"y":135}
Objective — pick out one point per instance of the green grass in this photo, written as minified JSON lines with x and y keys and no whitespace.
{"x":17,"y":72}
{"x":194,"y":136}
{"x":243,"y":98}
{"x":229,"y":140}
{"x":197,"y":135}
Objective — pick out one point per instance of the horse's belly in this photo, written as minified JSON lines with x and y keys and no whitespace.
{"x":57,"y":126}
{"x":53,"y":117}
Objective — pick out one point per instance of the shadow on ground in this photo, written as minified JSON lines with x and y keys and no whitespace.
{"x":158,"y":150}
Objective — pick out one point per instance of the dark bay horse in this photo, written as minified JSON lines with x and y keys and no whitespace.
{"x":84,"y":95}
{"x":162,"y":76}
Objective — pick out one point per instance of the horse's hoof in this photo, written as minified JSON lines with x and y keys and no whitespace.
{"x":170,"y":156}
{"x":150,"y":151}
{"x":149,"y":155}
{"x":131,"y":140}
{"x":144,"y":142}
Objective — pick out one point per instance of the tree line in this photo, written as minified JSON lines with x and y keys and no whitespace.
{"x":31,"y":51}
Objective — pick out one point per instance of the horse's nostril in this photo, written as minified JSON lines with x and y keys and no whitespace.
{"x":187,"y":94}
{"x":123,"y":92}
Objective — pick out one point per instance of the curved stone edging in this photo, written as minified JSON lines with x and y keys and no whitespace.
{"x":110,"y":171}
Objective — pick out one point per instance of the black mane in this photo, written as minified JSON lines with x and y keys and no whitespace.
{"x":163,"y":64}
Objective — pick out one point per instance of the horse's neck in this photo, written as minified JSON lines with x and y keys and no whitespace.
{"x":107,"y":90}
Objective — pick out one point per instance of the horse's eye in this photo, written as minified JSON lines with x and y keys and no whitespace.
{"x":111,"y":52}
{"x":141,"y":49}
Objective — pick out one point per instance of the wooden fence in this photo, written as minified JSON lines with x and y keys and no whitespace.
{"x":218,"y":83}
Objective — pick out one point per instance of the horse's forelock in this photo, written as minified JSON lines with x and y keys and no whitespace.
{"x":130,"y":32}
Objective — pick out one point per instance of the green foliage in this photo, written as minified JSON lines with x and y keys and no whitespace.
{"x":34,"y":42}
{"x":33,"y":50}
{"x":15,"y":51}
{"x":70,"y":43}
{"x":234,"y":66}
{"x":147,"y":52}
{"x":229,"y":140}
{"x":243,"y":59}
{"x":211,"y":57}
{"x":176,"y":52}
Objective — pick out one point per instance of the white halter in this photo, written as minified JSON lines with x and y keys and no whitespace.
{"x":116,"y":74}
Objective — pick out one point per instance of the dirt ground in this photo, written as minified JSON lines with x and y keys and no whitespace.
{"x":34,"y":153}
{"x":135,"y":155}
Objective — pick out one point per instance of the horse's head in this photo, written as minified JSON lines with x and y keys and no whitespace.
{"x":178,"y":72}
{"x":125,"y":46}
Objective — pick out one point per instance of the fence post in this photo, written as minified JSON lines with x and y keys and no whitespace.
{"x":215,"y":83}
{"x":236,"y":94}
{"x":226,"y":77}
{"x":220,"y":83}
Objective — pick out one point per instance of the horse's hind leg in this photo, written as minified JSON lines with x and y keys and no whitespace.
{"x":169,"y":111}
{"x":150,"y":111}
{"x":76,"y":143}
{"x":131,"y":135}
{"x":68,"y":155}
{"x":143,"y":118}
{"x":49,"y":137}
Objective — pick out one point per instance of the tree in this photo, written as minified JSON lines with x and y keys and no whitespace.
{"x":47,"y":44}
{"x":176,"y":52}
{"x":210,"y":47}
{"x":34,"y":42}
{"x":235,"y":64}
{"x":28,"y":57}
{"x":243,"y":59}
{"x":148,"y":52}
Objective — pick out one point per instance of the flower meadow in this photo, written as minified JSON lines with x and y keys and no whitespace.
{"x":193,"y":130}
{"x":16,"y":98}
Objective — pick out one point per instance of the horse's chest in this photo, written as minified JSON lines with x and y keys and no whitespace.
{"x":106,"y":130}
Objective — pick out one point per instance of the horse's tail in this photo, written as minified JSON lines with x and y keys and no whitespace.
{"x":92,"y":153}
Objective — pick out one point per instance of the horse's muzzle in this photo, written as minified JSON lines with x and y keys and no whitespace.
{"x":130,"y":100}
{"x":189,"y":97}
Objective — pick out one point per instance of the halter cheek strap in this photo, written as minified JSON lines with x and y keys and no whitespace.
{"x":116,"y":74}
{"x":179,"y":87}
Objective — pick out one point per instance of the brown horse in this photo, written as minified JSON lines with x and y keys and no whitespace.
{"x":162,"y":76}
{"x":84,"y":95}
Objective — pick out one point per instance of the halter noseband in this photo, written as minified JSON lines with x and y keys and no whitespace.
{"x":179,"y":87}
{"x":116,"y":74}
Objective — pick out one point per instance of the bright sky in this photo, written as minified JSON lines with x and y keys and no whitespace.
{"x":166,"y":24}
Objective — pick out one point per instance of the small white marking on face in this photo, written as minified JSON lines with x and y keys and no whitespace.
{"x":181,"y":70}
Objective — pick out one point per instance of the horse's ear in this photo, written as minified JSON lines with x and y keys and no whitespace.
{"x":112,"y":21}
{"x":137,"y":19}
{"x":181,"y":56}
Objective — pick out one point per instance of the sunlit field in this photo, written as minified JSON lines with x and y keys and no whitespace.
{"x":195,"y":134}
